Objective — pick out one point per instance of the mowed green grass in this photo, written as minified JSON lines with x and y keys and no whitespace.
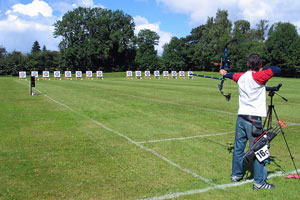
{"x":132,"y":139}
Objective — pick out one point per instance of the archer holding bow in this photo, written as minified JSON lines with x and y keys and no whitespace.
{"x":252,"y":107}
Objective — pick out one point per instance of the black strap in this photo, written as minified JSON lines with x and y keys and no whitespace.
{"x":250,"y":118}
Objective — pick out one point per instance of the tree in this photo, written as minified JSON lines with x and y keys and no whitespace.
{"x":262,"y":27}
{"x":3,"y":67}
{"x":174,"y":55}
{"x":96,"y":37}
{"x":146,"y":56}
{"x":210,"y":46}
{"x":241,"y":27}
{"x":282,"y":48}
{"x":35,"y":48}
{"x":44,"y":48}
{"x":14,"y":63}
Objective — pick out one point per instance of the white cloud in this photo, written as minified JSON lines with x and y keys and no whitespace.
{"x":142,"y":23}
{"x":197,"y":10}
{"x":86,"y":3}
{"x":261,"y":10}
{"x":25,"y":23}
{"x":19,"y":35}
{"x":33,"y":9}
{"x":251,"y":10}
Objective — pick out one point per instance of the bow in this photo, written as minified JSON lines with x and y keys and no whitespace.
{"x":226,"y":67}
{"x":225,"y":63}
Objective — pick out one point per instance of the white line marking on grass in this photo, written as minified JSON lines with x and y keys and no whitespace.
{"x":293,"y":124}
{"x":185,"y":138}
{"x":198,"y":191}
{"x":136,"y":143}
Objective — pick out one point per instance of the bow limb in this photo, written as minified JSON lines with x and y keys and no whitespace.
{"x":227,"y":96}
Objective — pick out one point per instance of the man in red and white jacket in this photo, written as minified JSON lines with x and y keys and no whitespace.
{"x":252,"y":106}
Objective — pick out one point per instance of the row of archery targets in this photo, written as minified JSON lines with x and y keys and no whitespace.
{"x":157,"y":75}
{"x":68,"y":75}
{"x":57,"y":75}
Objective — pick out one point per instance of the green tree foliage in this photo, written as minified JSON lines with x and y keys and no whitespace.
{"x":174,"y":55}
{"x":11,"y":63}
{"x":248,"y":41}
{"x":44,"y":60}
{"x":3,"y":55}
{"x":14,"y":63}
{"x":94,"y":38}
{"x":283,"y":48}
{"x":36,"y":48}
{"x":146,"y":55}
{"x":207,"y":41}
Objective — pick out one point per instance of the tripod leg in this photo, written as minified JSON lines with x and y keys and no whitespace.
{"x":286,"y":142}
{"x":289,"y":152}
{"x":268,"y":119}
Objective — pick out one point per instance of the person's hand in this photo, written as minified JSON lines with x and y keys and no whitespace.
{"x":223,"y":72}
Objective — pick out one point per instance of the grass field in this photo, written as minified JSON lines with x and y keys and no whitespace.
{"x":133,"y":139}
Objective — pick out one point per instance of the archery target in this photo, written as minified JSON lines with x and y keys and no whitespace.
{"x":138,"y":73}
{"x":166,"y":73}
{"x":78,"y":74}
{"x":190,"y":73}
{"x":147,"y":74}
{"x":99,"y":74}
{"x":89,"y":74}
{"x":56,"y":74}
{"x":68,"y":74}
{"x":129,"y":73}
{"x":22,"y":75}
{"x":35,"y":74}
{"x":46,"y":74}
{"x":181,"y":73}
{"x":174,"y":73}
{"x":156,"y":73}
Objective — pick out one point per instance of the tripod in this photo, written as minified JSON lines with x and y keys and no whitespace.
{"x":268,"y":119}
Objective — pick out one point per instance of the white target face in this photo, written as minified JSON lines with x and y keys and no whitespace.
{"x":89,"y":74}
{"x":68,"y":74}
{"x":190,"y":73}
{"x":174,"y":73}
{"x":129,"y":73}
{"x":181,"y":73}
{"x":166,"y":73}
{"x":147,"y":73}
{"x":46,"y":74}
{"x":138,"y":73}
{"x":156,"y":73}
{"x":35,"y":74}
{"x":22,"y":74}
{"x":99,"y":74}
{"x":78,"y":74}
{"x":56,"y":74}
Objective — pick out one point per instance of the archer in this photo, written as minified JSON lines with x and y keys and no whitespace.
{"x":252,"y":107}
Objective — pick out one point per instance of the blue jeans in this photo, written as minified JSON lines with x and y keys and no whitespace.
{"x":242,"y":135}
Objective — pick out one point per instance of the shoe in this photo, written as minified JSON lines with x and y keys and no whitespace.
{"x":235,"y":179}
{"x":263,"y":186}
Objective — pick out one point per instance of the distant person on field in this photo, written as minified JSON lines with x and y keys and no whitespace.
{"x":252,"y":106}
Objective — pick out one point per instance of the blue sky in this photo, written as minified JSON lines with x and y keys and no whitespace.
{"x":24,"y":21}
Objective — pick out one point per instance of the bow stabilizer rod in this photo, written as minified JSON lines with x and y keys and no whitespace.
{"x":205,"y":76}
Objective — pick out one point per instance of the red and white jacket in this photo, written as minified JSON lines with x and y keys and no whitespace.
{"x":252,"y":90}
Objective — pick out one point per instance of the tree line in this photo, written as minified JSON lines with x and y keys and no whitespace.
{"x":101,"y":39}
